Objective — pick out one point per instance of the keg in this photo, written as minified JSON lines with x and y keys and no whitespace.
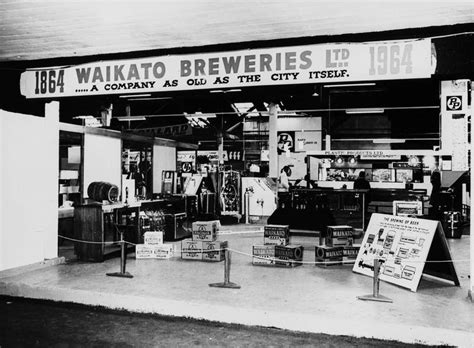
{"x":102,"y":191}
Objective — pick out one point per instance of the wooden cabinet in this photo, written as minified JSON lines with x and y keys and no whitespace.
{"x":99,"y":226}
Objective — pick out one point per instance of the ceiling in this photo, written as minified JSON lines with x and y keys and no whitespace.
{"x":33,"y":30}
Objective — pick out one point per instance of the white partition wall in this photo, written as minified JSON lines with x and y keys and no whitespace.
{"x":164,"y":158}
{"x":29,"y":167}
{"x":102,"y":160}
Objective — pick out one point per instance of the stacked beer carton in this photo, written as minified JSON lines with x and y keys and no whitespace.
{"x":204,"y":245}
{"x":337,"y":247}
{"x":275,"y":250}
{"x":154,"y":247}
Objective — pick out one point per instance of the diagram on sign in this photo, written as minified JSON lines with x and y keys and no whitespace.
{"x":402,"y":246}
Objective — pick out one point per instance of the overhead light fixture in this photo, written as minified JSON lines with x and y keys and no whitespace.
{"x":315,"y":94}
{"x":413,"y":161}
{"x":365,"y":111}
{"x":131,"y":118}
{"x":199,"y":114}
{"x":353,"y":160}
{"x":388,"y":141}
{"x":225,"y":90}
{"x":150,"y":98}
{"x":83,"y":117}
{"x":135,"y":95}
{"x":351,"y":85}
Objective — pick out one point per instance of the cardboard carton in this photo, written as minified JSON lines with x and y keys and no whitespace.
{"x":328,"y":255}
{"x":153,"y":238}
{"x":191,"y":249}
{"x":263,"y":254}
{"x":205,"y":230}
{"x":341,"y":235}
{"x":349,"y":253}
{"x":288,"y":255}
{"x":214,"y":251}
{"x":154,"y":251}
{"x":282,"y":231}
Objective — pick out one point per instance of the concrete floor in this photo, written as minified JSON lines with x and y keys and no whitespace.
{"x":305,"y":298}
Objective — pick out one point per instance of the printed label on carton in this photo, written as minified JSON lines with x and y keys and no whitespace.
{"x":276,"y":230}
{"x":289,"y":252}
{"x":340,"y":231}
{"x":275,"y":240}
{"x":153,"y":238}
{"x":163,"y":251}
{"x":214,"y":251}
{"x":263,"y":254}
{"x":146,"y":251}
{"x":191,"y":249}
{"x":339,"y":241}
{"x":350,"y":252}
{"x":205,"y":230}
{"x":328,"y":256}
{"x":143,"y":251}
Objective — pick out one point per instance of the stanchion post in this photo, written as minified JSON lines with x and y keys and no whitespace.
{"x":227,"y":283}
{"x":123,"y":261}
{"x":375,"y":296}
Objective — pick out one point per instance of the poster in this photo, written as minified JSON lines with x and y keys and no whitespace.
{"x":402,"y":245}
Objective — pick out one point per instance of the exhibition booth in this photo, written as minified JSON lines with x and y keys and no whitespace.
{"x":315,"y":116}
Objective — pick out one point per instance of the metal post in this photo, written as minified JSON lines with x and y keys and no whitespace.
{"x":247,"y":205}
{"x":227,"y":283}
{"x":363,"y":212}
{"x":123,"y":261}
{"x":375,"y":296}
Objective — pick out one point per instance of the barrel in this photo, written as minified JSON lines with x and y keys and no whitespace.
{"x":102,"y":191}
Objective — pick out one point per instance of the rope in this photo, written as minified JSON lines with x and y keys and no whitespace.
{"x":180,"y":250}
{"x":86,"y":241}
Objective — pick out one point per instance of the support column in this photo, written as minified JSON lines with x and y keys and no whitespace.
{"x":272,"y":141}
{"x":51,"y":113}
{"x":220,"y":139}
{"x":471,"y":237}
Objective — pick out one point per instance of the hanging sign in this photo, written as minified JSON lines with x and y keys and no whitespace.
{"x":406,"y":248}
{"x":176,"y":130}
{"x":377,"y":154}
{"x":322,"y":63}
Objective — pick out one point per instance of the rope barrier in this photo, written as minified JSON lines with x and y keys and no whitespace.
{"x":179,"y":250}
{"x":86,"y":241}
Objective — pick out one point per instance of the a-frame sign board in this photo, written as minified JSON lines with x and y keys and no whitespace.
{"x":407,"y":248}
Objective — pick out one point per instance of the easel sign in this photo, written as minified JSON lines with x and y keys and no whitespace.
{"x":403,"y":245}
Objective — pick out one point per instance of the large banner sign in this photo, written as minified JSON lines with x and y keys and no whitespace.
{"x":321,"y":63}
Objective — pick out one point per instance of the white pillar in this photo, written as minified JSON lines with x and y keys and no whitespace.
{"x":2,"y":196}
{"x":471,"y":237}
{"x":51,"y":113}
{"x":272,"y":141}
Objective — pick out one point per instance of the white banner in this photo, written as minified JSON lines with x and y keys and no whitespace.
{"x":323,"y":63}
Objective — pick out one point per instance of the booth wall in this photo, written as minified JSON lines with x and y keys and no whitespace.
{"x":29,"y":167}
{"x":164,"y":158}
{"x":102,"y":160}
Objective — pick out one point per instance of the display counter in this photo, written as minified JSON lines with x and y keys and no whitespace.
{"x":315,"y":209}
{"x":100,"y":225}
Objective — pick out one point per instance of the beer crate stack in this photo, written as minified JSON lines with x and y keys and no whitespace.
{"x":337,"y":247}
{"x":275,"y":250}
{"x":153,"y":247}
{"x":204,"y":246}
